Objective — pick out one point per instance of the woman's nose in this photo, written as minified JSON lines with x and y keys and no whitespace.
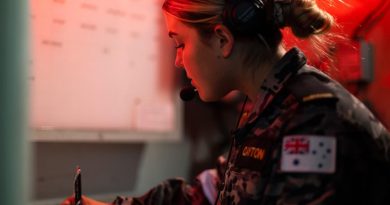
{"x":179,"y":60}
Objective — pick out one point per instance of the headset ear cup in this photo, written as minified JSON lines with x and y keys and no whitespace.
{"x":242,"y":16}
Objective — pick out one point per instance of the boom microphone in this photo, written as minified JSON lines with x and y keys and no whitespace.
{"x":188,"y":93}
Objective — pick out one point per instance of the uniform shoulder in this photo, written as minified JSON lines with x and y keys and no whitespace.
{"x":319,"y":98}
{"x":310,"y":85}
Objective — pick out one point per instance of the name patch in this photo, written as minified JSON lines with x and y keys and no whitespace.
{"x":253,"y":152}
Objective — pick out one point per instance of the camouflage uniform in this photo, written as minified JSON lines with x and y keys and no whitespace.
{"x":298,"y":100}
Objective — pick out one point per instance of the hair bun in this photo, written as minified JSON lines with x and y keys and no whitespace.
{"x":305,"y":18}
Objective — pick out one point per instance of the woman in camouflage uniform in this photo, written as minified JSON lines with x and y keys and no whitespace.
{"x":306,"y":141}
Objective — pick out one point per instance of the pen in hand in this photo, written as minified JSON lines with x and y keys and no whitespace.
{"x":77,"y":186}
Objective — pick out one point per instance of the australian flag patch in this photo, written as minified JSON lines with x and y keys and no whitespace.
{"x":308,"y":153}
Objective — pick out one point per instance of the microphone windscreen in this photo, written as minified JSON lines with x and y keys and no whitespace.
{"x":188,"y":93}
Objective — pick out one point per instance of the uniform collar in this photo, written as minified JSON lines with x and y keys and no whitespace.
{"x":286,"y":67}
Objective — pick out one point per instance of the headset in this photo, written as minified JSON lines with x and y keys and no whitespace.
{"x":244,"y":16}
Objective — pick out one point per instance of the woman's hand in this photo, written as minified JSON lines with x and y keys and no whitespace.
{"x":85,"y":200}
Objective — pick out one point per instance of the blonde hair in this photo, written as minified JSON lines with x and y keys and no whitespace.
{"x":195,"y":11}
{"x":304,"y":18}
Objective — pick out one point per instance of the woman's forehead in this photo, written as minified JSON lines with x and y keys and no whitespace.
{"x":175,"y":27}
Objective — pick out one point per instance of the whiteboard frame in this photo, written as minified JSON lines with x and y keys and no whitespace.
{"x":97,"y":135}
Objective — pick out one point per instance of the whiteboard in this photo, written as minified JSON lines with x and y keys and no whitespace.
{"x":101,"y":66}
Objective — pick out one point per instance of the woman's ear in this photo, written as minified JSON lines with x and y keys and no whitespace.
{"x":225,"y":40}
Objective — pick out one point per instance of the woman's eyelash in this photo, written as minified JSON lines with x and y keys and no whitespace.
{"x":180,"y":46}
